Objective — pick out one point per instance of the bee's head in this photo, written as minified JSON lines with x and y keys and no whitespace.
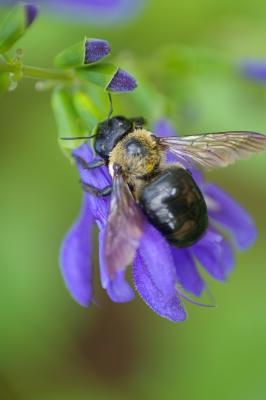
{"x":109,"y":132}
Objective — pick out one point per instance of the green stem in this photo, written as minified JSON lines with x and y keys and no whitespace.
{"x":7,"y":67}
{"x":38,"y":73}
{"x":46,"y":73}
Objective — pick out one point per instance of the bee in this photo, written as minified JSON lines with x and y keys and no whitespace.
{"x":143,"y":183}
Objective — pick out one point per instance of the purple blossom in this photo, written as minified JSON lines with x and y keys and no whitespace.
{"x":254,"y":69}
{"x":158,"y":268}
{"x":31,"y":12}
{"x":93,"y":11}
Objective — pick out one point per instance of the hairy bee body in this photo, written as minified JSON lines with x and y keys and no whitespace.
{"x":167,"y":195}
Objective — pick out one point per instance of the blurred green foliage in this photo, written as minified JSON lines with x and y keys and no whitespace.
{"x":50,"y":348}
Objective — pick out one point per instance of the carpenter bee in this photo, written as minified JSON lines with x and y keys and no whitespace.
{"x":142,"y":182}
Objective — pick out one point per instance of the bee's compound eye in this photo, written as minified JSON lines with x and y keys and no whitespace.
{"x":134,"y":148}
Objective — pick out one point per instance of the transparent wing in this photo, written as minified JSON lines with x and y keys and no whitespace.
{"x":213,"y":150}
{"x":124,"y":227}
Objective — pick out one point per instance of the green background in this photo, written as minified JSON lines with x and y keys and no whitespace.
{"x":51,"y":348}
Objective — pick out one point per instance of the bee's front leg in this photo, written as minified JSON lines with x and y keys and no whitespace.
{"x":89,"y":165}
{"x":106,"y":191}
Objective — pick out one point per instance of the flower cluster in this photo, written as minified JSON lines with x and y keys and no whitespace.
{"x":158,"y":268}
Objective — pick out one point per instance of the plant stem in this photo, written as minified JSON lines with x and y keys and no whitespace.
{"x":7,"y":67}
{"x":38,"y":73}
{"x":45,"y":73}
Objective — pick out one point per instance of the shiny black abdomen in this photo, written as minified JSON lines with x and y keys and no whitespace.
{"x":109,"y":133}
{"x":174,"y":204}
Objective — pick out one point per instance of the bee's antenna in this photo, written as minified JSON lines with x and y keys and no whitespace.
{"x":78,"y":138}
{"x":111,"y":106}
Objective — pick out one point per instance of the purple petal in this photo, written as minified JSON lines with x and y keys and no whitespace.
{"x":164,"y":128}
{"x":187,"y":273}
{"x":122,"y":82}
{"x":118,"y":289}
{"x":232,"y":216}
{"x":155,"y":276}
{"x":215,"y":254}
{"x":31,"y":13}
{"x":98,"y":177}
{"x":95,"y":50}
{"x":76,"y":257}
{"x":254,"y":69}
{"x":97,"y":11}
{"x":170,"y":308}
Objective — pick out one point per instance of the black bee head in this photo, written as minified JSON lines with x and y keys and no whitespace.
{"x":109,"y":133}
{"x":112,"y":130}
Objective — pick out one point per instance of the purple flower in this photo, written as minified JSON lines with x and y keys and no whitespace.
{"x":93,"y":11}
{"x":31,"y":12}
{"x":158,"y":267}
{"x":254,"y":69}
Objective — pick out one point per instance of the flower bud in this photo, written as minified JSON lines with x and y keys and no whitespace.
{"x":109,"y":77}
{"x":122,"y":82}
{"x":15,"y":25}
{"x":83,"y":53}
{"x":96,"y":49}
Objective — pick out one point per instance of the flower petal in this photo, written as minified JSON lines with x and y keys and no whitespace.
{"x":215,"y":254}
{"x":98,"y":177}
{"x":164,"y":128}
{"x":254,"y":69}
{"x":76,"y":257}
{"x":31,"y":12}
{"x":187,"y":273}
{"x":167,"y":307}
{"x":118,"y":288}
{"x":97,"y":11}
{"x":232,"y":216}
{"x":155,"y":276}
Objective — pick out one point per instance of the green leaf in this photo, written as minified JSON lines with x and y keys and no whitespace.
{"x":99,"y":74}
{"x":15,"y":25}
{"x":87,"y":111}
{"x":73,"y":56}
{"x":92,"y":106}
{"x":67,"y":119}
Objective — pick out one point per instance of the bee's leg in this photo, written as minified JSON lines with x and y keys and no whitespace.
{"x":90,"y":165}
{"x":106,"y":191}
